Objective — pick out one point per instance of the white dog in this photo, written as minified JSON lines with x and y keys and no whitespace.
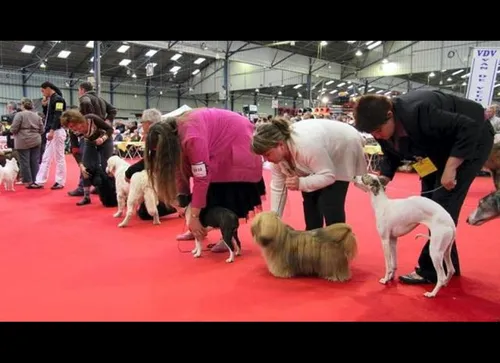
{"x":398,"y":217}
{"x":8,"y":174}
{"x":141,"y":190}
{"x":117,"y":168}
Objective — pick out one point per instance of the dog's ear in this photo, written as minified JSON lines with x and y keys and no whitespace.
{"x":366,"y":179}
{"x":384,"y":180}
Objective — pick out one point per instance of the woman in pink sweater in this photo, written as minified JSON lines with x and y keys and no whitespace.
{"x":212,"y":146}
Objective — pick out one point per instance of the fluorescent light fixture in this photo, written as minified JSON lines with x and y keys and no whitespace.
{"x":125,"y":62}
{"x":351,"y":41}
{"x":379,"y":91}
{"x":371,"y":90}
{"x":341,"y":84}
{"x":154,"y":65}
{"x":91,"y":70}
{"x":498,"y":84}
{"x":199,"y":61}
{"x":299,"y":94}
{"x":123,"y":48}
{"x":195,"y":72}
{"x":27,"y":48}
{"x":465,"y":75}
{"x":151,"y":53}
{"x":359,"y":53}
{"x":329,"y":82}
{"x":323,"y":43}
{"x":457,"y":72}
{"x":64,"y":54}
{"x":176,"y":56}
{"x":90,"y":44}
{"x":374,"y":45}
{"x":175,"y":69}
{"x":297,"y":86}
{"x":334,"y":91}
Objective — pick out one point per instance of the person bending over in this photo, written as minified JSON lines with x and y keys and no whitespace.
{"x":318,"y":157}
{"x":447,"y":133}
{"x":149,"y":117}
{"x":97,"y":136}
{"x":212,"y":146}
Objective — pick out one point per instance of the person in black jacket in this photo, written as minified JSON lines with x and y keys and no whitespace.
{"x":149,"y":117}
{"x":56,"y":137}
{"x":449,"y":131}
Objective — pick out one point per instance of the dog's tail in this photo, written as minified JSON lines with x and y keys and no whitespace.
{"x":342,"y":233}
{"x":422,"y":235}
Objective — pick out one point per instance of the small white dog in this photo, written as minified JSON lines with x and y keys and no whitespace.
{"x":8,"y":174}
{"x":141,"y":190}
{"x":117,"y":168}
{"x":398,"y":217}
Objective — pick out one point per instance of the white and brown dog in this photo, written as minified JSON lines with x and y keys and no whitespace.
{"x":398,"y":217}
{"x":117,"y":167}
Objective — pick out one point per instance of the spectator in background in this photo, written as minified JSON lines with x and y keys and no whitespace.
{"x":27,"y":128}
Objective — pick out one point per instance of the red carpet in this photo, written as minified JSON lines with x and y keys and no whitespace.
{"x":60,"y":262}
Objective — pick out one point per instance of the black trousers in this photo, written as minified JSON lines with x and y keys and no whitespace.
{"x":94,"y":155}
{"x":325,"y":206}
{"x":453,"y":200}
{"x":163,"y":210}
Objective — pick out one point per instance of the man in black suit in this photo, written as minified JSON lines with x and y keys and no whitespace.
{"x":448,"y":130}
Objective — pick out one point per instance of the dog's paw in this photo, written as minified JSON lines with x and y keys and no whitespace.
{"x":117,"y":214}
{"x":122,"y":224}
{"x":384,"y":280}
{"x":157,"y":222}
{"x":429,"y":294}
{"x":230,"y":259}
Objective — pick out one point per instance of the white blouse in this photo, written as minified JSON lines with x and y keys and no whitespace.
{"x":323,"y":151}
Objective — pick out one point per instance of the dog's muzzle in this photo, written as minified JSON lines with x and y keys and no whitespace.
{"x":358,"y":182}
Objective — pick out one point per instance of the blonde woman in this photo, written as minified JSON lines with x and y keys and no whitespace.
{"x":318,"y":157}
{"x":27,"y":128}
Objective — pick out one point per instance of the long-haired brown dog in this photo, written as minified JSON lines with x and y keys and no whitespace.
{"x":323,"y":252}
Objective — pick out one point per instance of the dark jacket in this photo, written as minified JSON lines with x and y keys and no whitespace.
{"x":134,"y":168}
{"x":90,"y":103}
{"x":55,"y":107}
{"x":99,"y":127}
{"x":437,"y":125}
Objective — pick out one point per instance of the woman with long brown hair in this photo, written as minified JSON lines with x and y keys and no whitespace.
{"x":212,"y":146}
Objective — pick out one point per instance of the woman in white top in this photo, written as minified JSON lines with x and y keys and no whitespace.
{"x":319,"y":157}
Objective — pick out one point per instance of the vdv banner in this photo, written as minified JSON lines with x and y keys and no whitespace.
{"x":483,"y":72}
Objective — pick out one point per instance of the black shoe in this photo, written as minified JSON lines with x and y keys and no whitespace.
{"x":76,"y":193}
{"x":57,"y":186}
{"x":413,"y":279}
{"x":84,"y":201}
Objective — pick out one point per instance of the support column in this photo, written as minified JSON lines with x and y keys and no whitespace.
{"x":226,"y":80}
{"x":179,"y":98}
{"x":148,"y":82}
{"x":309,"y":83}
{"x":232,"y":101}
{"x":111,"y":90}
{"x":25,"y":80}
{"x":97,"y":67}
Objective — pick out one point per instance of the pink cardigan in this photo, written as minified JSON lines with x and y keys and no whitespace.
{"x":216,"y":148}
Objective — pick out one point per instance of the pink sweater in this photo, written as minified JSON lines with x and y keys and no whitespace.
{"x":216,"y":148}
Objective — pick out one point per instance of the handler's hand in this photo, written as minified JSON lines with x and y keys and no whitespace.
{"x":448,"y":179}
{"x":292,"y":182}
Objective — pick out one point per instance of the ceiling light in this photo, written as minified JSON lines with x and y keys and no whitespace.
{"x":151,"y":53}
{"x":90,"y":44}
{"x":123,"y":48}
{"x":27,"y":48}
{"x":125,"y":62}
{"x":199,"y":61}
{"x":176,"y":56}
{"x":195,"y":72}
{"x":175,"y":69}
{"x":64,"y":54}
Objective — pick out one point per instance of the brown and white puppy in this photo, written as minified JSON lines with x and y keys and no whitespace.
{"x":323,"y":252}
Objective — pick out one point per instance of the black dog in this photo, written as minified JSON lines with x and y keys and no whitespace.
{"x":228,"y":223}
{"x":105,"y":186}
